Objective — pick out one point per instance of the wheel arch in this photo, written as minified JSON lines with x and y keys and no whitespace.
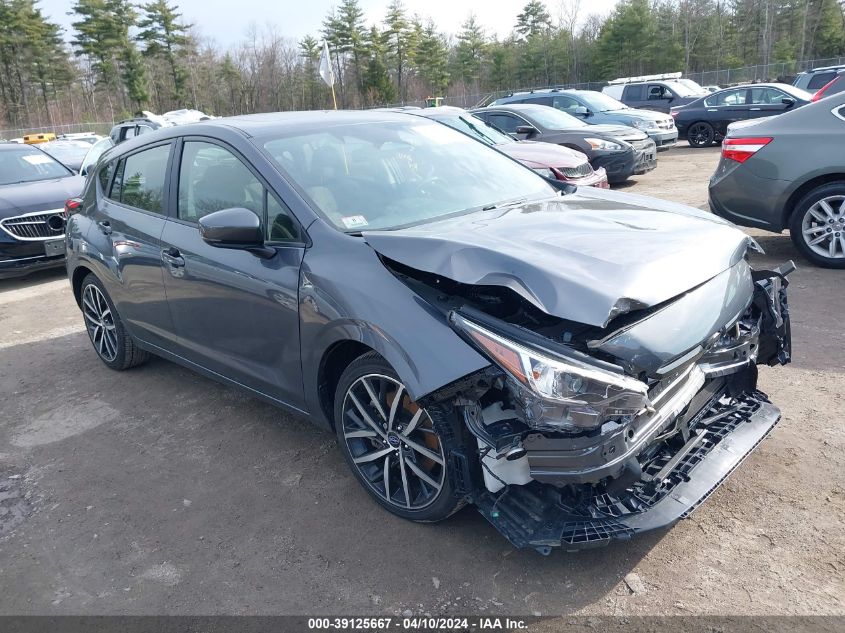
{"x":79,"y":273}
{"x":802,"y":190}
{"x":334,"y":362}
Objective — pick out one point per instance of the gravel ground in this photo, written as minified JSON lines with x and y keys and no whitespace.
{"x":156,"y":491}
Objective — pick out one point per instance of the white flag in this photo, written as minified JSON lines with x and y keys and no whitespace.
{"x":326,"y":70}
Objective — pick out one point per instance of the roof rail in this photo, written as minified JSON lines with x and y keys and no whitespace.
{"x":834,"y":67}
{"x":631,"y":80}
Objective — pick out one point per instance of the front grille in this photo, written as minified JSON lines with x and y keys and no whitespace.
{"x":581,"y":171}
{"x":41,"y":225}
{"x":668,"y":124}
{"x":641,"y":145}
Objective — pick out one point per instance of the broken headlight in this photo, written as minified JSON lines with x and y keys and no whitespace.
{"x":561,"y":393}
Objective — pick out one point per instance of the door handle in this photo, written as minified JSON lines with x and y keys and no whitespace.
{"x":105,"y":227}
{"x":173,"y":257}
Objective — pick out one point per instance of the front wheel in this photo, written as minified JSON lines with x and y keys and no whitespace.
{"x":397,"y":449}
{"x":817,"y":226}
{"x":701,"y":134}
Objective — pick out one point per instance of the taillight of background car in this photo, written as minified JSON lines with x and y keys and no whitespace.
{"x":824,"y":89}
{"x":72,"y":205}
{"x":741,"y":149}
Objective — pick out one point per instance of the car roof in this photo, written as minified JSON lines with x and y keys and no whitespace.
{"x":823,"y":69}
{"x":516,"y":107}
{"x":252,"y":125}
{"x":9,"y":146}
{"x":433,"y":112}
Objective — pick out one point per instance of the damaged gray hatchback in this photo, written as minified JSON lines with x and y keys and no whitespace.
{"x":581,"y":365}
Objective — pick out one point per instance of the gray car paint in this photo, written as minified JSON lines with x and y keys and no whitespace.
{"x":335,"y":290}
{"x":339,"y":292}
{"x":596,"y":246}
{"x":763,"y":191}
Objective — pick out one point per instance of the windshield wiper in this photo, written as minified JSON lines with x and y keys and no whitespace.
{"x":502,"y":205}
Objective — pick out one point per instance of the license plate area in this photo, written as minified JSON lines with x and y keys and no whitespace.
{"x":53,"y":248}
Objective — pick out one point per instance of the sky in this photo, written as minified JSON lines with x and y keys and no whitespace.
{"x":227,"y":21}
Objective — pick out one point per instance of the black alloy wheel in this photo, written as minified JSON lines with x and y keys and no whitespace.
{"x":397,"y":449}
{"x":701,"y":134}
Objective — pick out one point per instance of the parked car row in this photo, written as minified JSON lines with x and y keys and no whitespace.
{"x":472,"y":331}
{"x":516,"y":343}
{"x":620,"y":150}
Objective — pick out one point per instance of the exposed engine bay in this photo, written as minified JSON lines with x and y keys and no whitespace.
{"x":586,"y":433}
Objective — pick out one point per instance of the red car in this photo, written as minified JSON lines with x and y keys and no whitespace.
{"x":552,"y":161}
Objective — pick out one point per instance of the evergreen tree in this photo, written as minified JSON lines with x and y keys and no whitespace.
{"x":164,"y":36}
{"x":432,"y":59}
{"x":471,"y":51}
{"x":400,"y":38}
{"x":378,"y":88}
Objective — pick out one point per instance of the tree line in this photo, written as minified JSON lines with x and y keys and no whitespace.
{"x":120,"y":57}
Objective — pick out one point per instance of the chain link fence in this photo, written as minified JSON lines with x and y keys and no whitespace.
{"x":102,"y":127}
{"x":783,"y":71}
{"x":780,"y":71}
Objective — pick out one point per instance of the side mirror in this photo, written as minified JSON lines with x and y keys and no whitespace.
{"x":581,"y":111}
{"x":235,"y":228}
{"x":84,"y":170}
{"x":788,"y":102}
{"x":527,"y":130}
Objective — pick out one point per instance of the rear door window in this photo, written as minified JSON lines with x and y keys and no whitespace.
{"x":546,"y":101}
{"x":726,"y":98}
{"x":633,"y":93}
{"x":140,"y":177}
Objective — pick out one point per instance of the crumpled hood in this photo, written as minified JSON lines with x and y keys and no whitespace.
{"x":587,"y":257}
{"x":38,"y":196}
{"x":543,"y":154}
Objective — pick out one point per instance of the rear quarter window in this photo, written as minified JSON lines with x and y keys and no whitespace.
{"x":819,"y":80}
{"x":105,"y":175}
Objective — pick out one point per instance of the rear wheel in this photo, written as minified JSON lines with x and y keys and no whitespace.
{"x":701,"y":134}
{"x":113,"y":344}
{"x":397,"y":449}
{"x":817,"y":226}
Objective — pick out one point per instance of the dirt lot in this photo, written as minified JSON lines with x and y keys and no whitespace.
{"x":156,"y":491}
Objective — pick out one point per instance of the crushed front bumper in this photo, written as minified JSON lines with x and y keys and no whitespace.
{"x":674,"y":482}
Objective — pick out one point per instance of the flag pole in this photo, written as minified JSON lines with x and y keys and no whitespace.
{"x":334,"y":98}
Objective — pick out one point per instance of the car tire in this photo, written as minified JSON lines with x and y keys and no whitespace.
{"x":701,"y":134}
{"x":113,"y":344}
{"x":409,"y":480}
{"x":817,"y":225}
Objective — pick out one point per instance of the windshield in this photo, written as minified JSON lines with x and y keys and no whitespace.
{"x":94,"y":154}
{"x":477,"y":128}
{"x":600,"y":102}
{"x":391,"y":174}
{"x":554,"y":119}
{"x":687,"y":88}
{"x":27,"y":164}
{"x":67,"y":152}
